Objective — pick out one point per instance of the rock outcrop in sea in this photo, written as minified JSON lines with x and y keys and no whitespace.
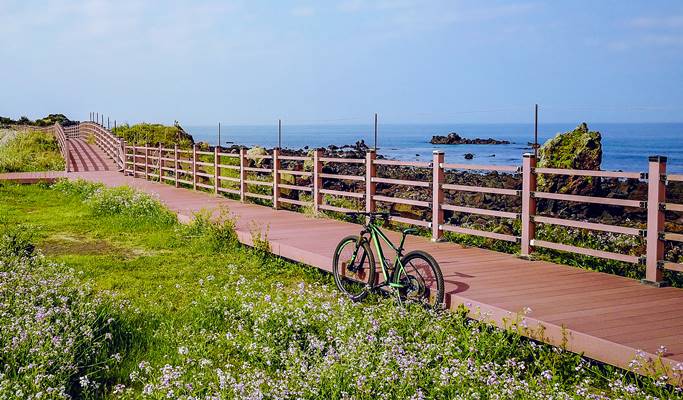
{"x":454,"y":138}
{"x":577,"y":149}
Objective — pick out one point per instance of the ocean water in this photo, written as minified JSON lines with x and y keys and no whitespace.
{"x":625,"y":146}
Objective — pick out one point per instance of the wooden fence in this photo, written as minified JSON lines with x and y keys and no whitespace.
{"x":242,"y":174}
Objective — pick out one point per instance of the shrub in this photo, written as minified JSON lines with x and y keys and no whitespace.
{"x":31,"y":151}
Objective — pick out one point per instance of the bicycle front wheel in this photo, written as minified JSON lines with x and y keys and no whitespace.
{"x":354,"y":267}
{"x":422,"y":279}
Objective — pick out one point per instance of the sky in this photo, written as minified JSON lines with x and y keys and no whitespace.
{"x":252,"y":62}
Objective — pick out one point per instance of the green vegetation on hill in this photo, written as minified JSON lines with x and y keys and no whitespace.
{"x":29,"y":151}
{"x":142,"y":133}
{"x":46,"y":121}
{"x":144,"y":307}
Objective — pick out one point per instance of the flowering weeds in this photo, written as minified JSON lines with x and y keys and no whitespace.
{"x":223,"y":322}
{"x":55,"y":334}
{"x":121,"y":200}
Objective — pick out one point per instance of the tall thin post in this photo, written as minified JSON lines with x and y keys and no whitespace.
{"x":370,"y":186}
{"x":243,"y":173}
{"x":279,"y":133}
{"x":216,"y":172}
{"x":219,"y":134}
{"x":194,"y":166}
{"x":438,"y":180}
{"x":528,"y":203}
{"x":175,"y":163}
{"x":317,"y":179}
{"x":375,"y":145}
{"x":276,"y":178}
{"x":97,"y":118}
{"x":536,"y":131}
{"x":656,"y":195}
{"x":107,"y":122}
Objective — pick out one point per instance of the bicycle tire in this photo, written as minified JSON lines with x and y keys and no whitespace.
{"x":426,"y":279}
{"x":365,"y":275}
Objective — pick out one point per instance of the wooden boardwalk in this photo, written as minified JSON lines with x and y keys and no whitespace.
{"x":606,"y":317}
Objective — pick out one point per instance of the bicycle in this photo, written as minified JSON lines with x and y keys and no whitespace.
{"x":415,"y":276}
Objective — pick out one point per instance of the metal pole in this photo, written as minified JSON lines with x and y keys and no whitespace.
{"x":375,"y":132}
{"x":536,"y":131}
{"x":219,"y":134}
{"x":107,"y":122}
{"x":279,"y":133}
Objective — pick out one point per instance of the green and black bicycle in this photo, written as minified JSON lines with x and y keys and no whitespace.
{"x":415,"y":276}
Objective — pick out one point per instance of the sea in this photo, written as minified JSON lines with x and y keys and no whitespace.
{"x":626,"y":146}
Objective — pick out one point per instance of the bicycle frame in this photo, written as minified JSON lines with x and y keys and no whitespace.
{"x":375,"y":235}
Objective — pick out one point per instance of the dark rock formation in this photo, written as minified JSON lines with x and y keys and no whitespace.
{"x":469,"y":156}
{"x":454,"y":138}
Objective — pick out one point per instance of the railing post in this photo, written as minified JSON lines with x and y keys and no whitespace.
{"x":66,"y":151}
{"x":175,"y":164}
{"x":276,"y":178}
{"x":438,"y":178}
{"x":135,"y":160}
{"x":124,"y":157}
{"x":243,"y":173}
{"x":146,"y":161}
{"x":656,"y":195}
{"x":317,"y":179}
{"x":216,"y":170}
{"x":528,"y":203}
{"x":160,"y":164}
{"x":370,"y":186}
{"x":194,"y":166}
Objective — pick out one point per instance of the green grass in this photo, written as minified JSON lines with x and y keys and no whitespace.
{"x":196,"y":314}
{"x":31,"y":151}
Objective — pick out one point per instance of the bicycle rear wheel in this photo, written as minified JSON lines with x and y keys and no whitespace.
{"x":355,"y":279}
{"x":422,"y":279}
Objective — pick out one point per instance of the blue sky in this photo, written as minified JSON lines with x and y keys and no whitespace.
{"x":239,"y":62}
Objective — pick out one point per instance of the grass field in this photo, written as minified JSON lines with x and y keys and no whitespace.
{"x":127,"y":303}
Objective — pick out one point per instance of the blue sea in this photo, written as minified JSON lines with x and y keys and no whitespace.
{"x":625,"y":146}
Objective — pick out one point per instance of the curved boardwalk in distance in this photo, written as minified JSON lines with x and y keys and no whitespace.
{"x":606,"y":317}
{"x":86,"y":157}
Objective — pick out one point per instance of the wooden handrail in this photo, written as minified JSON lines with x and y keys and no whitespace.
{"x":586,"y":172}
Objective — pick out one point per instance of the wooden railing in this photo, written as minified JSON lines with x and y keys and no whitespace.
{"x":105,"y":139}
{"x":58,"y":131}
{"x":260,"y":177}
{"x":658,"y":216}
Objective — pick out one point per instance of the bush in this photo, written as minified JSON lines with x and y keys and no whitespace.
{"x":31,"y":151}
{"x":140,"y":134}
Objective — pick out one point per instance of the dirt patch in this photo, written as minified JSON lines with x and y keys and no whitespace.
{"x":65,"y":244}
